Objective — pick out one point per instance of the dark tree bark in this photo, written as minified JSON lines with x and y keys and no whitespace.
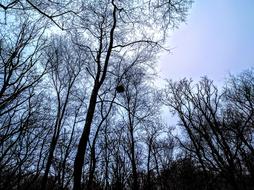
{"x":79,"y":160}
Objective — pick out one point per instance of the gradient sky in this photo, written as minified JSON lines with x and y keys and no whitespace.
{"x":217,"y":39}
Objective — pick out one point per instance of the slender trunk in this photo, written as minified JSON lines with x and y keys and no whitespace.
{"x":57,"y":128}
{"x":91,"y":169}
{"x":135,"y":176}
{"x":67,"y":152}
{"x":148,"y":167}
{"x":106,"y":160}
{"x":106,"y":173}
{"x":49,"y":162}
{"x":133,"y":164}
{"x":93,"y":158}
{"x":80,"y":156}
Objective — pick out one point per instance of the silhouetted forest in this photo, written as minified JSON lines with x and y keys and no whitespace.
{"x":80,"y":107}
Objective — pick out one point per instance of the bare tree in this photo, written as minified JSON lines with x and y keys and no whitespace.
{"x":56,"y":12}
{"x":109,"y":25}
{"x":20,"y":51}
{"x":210,"y":130}
{"x":106,"y":41}
{"x":239,"y":113}
{"x":65,"y":66}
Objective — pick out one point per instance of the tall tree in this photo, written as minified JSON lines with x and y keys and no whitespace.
{"x":213,"y":126}
{"x":65,"y":66}
{"x":116,"y":29}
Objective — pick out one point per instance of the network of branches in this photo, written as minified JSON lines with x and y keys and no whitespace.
{"x":79,"y":108}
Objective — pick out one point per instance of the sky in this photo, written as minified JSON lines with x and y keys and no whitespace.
{"x":217,"y":39}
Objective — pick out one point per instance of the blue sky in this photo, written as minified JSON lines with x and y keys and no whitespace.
{"x":217,"y":39}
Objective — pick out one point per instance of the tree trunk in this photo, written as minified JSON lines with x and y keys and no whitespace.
{"x":49,"y":162}
{"x":92,"y":168}
{"x":80,"y":156}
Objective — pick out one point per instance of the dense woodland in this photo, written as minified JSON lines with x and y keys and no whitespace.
{"x":80,"y":108}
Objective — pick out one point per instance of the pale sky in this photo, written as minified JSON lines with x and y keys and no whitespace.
{"x":217,"y":39}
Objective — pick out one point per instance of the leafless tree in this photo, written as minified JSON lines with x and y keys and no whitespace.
{"x":103,"y":46}
{"x":65,"y":66}
{"x":211,"y":129}
{"x":20,"y":72}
